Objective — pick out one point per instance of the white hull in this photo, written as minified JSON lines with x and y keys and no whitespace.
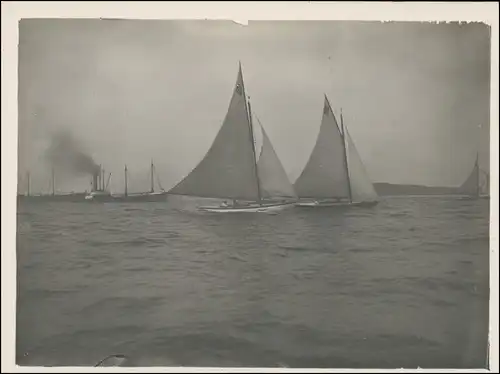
{"x":264,"y":208}
{"x":311,"y":204}
{"x":321,"y":204}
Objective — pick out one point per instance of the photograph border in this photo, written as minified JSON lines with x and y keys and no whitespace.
{"x":240,"y":12}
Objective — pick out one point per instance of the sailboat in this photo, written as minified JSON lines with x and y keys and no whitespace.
{"x":334,"y":174}
{"x":149,"y":196}
{"x":477,"y":185}
{"x":230,"y":170}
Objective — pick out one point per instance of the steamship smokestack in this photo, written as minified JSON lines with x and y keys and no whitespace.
{"x":95,"y":182}
{"x":96,"y":179}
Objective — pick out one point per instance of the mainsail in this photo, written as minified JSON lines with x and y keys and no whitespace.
{"x":325,"y":174}
{"x":228,"y":170}
{"x":362,"y":189}
{"x":471,"y":184}
{"x":273,"y":179}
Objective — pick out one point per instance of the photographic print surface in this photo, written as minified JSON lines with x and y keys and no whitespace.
{"x":280,"y":194}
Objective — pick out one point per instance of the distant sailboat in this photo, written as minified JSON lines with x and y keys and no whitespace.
{"x":334,"y":174}
{"x":477,"y":185}
{"x":52,"y":195}
{"x":148,"y":196}
{"x":230,"y":170}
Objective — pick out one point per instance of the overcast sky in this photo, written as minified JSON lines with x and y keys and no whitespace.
{"x":413,"y":94}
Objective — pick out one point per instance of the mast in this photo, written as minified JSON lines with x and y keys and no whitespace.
{"x":99,"y":179}
{"x":478,"y":185}
{"x":252,"y":139}
{"x":28,"y":176}
{"x":478,"y":180}
{"x":53,"y":182}
{"x":126,"y":187}
{"x":345,"y":154}
{"x":152,"y":182}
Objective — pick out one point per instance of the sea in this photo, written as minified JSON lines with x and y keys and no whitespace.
{"x":404,"y":284}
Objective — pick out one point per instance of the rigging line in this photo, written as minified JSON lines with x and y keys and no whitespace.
{"x":107,"y":182}
{"x":262,"y":131}
{"x":261,"y":128}
{"x":158,"y":178}
{"x":258,"y":119}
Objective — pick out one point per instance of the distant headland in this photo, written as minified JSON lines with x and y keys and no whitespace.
{"x":389,"y":189}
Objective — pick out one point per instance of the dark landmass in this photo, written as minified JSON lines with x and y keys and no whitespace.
{"x":388,"y":189}
{"x":382,"y":189}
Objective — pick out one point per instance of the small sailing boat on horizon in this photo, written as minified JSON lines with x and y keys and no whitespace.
{"x":230,"y":169}
{"x":477,"y":184}
{"x":148,"y":196}
{"x":334,"y":175}
{"x":54,"y":193}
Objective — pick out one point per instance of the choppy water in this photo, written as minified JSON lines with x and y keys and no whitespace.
{"x":404,"y":284}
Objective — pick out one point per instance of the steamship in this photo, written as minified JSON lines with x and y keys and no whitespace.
{"x":150,"y":196}
{"x":100,"y":192}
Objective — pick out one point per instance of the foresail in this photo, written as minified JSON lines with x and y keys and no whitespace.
{"x":228,"y":169}
{"x":362,"y":189}
{"x":471,"y":184}
{"x":325,"y":175}
{"x":274,"y":182}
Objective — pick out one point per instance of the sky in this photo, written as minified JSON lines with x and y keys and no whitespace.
{"x":413,"y":95}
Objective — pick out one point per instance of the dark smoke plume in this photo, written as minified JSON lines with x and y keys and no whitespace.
{"x":66,"y":154}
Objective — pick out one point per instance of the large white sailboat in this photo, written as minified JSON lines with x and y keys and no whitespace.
{"x":334,"y":174}
{"x":230,"y":170}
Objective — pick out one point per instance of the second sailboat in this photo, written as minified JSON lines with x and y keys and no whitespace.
{"x":334,"y":174}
